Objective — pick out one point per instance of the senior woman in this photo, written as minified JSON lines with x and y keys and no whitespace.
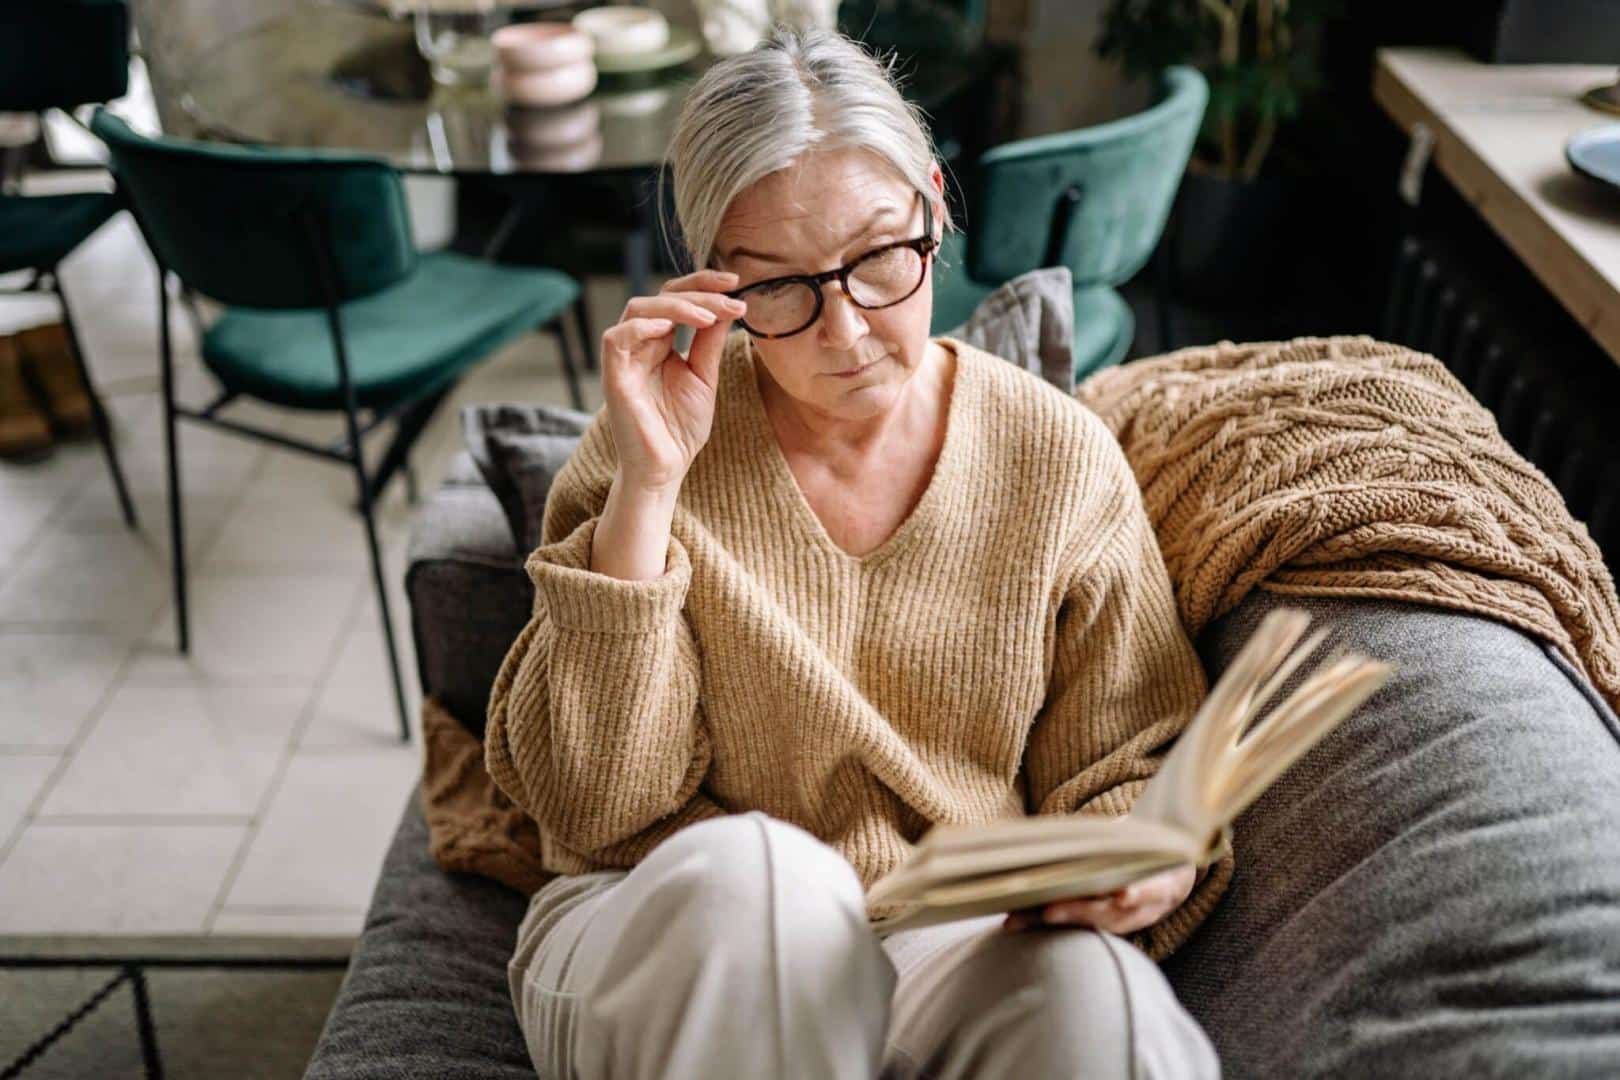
{"x":805,"y":592}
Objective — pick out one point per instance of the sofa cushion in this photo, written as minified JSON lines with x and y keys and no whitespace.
{"x":519,"y":448}
{"x":1028,"y":320}
{"x":1434,"y":889}
{"x":426,"y":992}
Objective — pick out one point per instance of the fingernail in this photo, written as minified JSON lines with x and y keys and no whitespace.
{"x":1062,"y":915}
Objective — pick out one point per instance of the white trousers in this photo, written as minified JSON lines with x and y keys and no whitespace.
{"x":739,"y":947}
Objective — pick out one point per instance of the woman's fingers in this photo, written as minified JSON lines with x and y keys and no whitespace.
{"x":704,"y":355}
{"x":622,"y":341}
{"x":629,"y":333}
{"x":712,"y":280}
{"x":692,"y":309}
{"x":1075,"y":910}
{"x":699,"y":309}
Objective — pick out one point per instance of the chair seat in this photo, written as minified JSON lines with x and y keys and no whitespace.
{"x":1104,"y":326}
{"x":39,"y":231}
{"x":401,"y":342}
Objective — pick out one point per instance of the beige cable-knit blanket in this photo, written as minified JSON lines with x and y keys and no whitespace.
{"x":1347,"y":466}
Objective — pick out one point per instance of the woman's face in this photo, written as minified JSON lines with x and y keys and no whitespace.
{"x":829,"y":209}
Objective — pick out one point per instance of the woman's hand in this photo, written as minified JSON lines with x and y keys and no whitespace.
{"x":1139,"y":904}
{"x":661,"y":407}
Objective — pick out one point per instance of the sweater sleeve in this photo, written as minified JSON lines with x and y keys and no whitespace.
{"x":1125,"y":681}
{"x":594,"y":722}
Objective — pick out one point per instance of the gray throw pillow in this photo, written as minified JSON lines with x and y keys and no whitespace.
{"x":518,"y":448}
{"x":1030,"y":322}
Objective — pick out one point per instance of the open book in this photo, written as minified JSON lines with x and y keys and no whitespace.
{"x":1219,"y":764}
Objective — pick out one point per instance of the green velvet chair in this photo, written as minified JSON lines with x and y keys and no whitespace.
{"x":58,"y":55}
{"x":328,"y":304}
{"x":1094,"y":200}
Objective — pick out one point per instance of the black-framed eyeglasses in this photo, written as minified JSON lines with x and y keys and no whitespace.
{"x":783,"y":306}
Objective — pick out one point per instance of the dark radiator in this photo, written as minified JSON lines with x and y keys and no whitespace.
{"x":1555,"y":395}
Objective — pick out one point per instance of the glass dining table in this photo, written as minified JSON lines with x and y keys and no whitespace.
{"x":343,"y":76}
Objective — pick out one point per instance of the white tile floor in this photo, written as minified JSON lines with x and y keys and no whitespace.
{"x":251,"y":787}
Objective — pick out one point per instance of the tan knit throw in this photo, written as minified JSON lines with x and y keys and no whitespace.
{"x":1346,"y":466}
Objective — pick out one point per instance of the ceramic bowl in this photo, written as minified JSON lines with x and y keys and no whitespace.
{"x":539,"y":46}
{"x":624,"y":29}
{"x":549,"y":86}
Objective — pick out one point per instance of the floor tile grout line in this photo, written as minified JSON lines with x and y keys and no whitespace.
{"x":194,"y":556}
{"x":133,"y":648}
{"x":143,"y":820}
{"x":58,"y":509}
{"x":289,"y":751}
{"x":63,"y":507}
{"x":86,"y":725}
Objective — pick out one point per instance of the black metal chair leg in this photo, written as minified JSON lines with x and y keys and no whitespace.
{"x":97,"y":413}
{"x":378,"y":580}
{"x":582,"y":321}
{"x":566,"y":351}
{"x":177,"y":532}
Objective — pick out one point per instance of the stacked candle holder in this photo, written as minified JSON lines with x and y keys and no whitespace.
{"x":542,"y":64}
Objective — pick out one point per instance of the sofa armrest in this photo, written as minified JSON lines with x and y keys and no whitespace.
{"x":1434,"y":889}
{"x":426,"y":991}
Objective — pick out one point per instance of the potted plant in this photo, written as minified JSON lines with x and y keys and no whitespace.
{"x":1258,"y":55}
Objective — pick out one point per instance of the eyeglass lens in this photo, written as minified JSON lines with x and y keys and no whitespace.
{"x":880,"y":279}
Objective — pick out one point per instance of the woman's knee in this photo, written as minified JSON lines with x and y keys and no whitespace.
{"x":1094,"y":973}
{"x":737,"y":933}
{"x":746,"y":886}
{"x":748,"y":860}
{"x":1091,"y":1004}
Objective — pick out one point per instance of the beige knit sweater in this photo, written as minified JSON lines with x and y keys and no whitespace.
{"x":1013,"y":648}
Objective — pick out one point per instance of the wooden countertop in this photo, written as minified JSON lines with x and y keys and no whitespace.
{"x":1499,"y":135}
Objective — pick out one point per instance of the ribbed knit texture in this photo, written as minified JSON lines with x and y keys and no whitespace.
{"x":1347,"y":466}
{"x":1012,"y":648}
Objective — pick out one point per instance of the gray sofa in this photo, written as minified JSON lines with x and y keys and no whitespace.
{"x":1432,"y":891}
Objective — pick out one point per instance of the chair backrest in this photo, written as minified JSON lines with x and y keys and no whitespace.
{"x":253,"y":227}
{"x":1094,"y":200}
{"x":55,"y":54}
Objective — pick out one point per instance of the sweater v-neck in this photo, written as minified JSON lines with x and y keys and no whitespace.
{"x":923,"y":514}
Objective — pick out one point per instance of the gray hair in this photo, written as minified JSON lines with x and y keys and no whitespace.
{"x":756,"y":113}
